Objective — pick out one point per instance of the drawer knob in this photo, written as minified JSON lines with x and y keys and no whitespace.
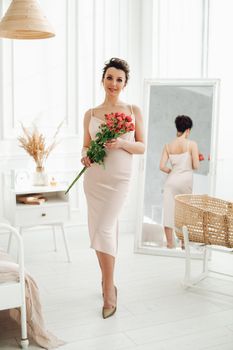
{"x":43,"y":214}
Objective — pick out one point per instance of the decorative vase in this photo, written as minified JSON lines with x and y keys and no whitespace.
{"x":40,"y":177}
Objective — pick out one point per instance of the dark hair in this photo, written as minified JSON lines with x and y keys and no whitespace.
{"x":117,"y":63}
{"x":183,"y":122}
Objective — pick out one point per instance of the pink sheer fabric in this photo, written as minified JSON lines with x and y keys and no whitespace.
{"x":35,"y":322}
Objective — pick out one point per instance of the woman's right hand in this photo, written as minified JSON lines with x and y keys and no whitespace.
{"x":86,"y":161}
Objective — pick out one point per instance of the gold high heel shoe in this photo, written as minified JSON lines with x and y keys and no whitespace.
{"x":108,"y":312}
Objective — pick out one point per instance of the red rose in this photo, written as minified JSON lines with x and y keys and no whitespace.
{"x":128,"y":118}
{"x":132,"y":127}
{"x":201,"y":157}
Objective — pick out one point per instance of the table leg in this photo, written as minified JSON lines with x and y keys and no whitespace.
{"x":65,"y":242}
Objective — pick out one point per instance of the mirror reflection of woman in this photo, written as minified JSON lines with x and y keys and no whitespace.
{"x":184,"y":158}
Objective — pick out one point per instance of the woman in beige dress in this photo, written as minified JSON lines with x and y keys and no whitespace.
{"x":184,"y":158}
{"x":106,"y":186}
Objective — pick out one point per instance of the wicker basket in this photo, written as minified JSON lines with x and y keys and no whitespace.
{"x":209,"y":220}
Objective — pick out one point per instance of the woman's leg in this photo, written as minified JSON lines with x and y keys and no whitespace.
{"x":97,"y":253}
{"x":169,"y":236}
{"x":107,"y":264}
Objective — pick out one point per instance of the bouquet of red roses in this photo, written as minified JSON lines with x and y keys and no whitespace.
{"x":115,"y":124}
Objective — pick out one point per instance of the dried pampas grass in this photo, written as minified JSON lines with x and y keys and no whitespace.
{"x":34,"y":144}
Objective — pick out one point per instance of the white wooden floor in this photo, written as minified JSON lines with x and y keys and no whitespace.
{"x":154,"y":312}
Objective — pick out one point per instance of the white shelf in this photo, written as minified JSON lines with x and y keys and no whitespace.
{"x":50,"y":203}
{"x":41,"y":189}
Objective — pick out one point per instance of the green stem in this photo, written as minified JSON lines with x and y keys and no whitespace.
{"x":76,"y":179}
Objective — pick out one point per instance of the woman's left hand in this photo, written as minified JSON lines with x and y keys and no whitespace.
{"x":114,"y":143}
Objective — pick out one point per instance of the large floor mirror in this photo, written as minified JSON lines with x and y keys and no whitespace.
{"x":164,"y":100}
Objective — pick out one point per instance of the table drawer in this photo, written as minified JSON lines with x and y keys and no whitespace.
{"x":39,"y":215}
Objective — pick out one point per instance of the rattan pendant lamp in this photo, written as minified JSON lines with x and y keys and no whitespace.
{"x":24,"y":19}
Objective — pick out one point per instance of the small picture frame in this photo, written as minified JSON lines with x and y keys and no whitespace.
{"x":20,"y":178}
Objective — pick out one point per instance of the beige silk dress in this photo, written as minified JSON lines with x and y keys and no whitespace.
{"x":106,"y":187}
{"x":179,"y":181}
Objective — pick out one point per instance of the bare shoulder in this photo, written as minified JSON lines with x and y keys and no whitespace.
{"x":193,"y":144}
{"x":87,"y":116}
{"x":96,"y":108}
{"x":136,"y":109}
{"x":88,"y":113}
{"x":137,"y":112}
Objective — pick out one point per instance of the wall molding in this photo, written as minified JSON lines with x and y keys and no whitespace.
{"x":96,"y":27}
{"x":1,"y":80}
{"x":25,"y":157}
{"x":156,"y":39}
{"x":9,"y":126}
{"x":205,"y":38}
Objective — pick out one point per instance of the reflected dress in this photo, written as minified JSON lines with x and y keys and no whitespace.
{"x":106,"y":187}
{"x":179,"y":181}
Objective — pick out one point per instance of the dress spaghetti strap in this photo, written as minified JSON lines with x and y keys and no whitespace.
{"x":131,"y":107}
{"x":166,"y":146}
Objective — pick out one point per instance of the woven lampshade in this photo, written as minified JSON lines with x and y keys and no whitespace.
{"x":24,"y":19}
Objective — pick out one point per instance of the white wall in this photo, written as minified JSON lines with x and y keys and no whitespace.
{"x":220,"y":65}
{"x":60,"y":78}
{"x":191,"y":39}
{"x":159,"y":38}
{"x":172,"y":38}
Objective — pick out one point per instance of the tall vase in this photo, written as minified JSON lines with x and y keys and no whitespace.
{"x":40,"y":177}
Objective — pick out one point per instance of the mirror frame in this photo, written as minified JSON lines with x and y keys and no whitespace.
{"x":148,"y":83}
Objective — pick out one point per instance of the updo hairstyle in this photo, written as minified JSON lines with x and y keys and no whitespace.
{"x":117,"y":63}
{"x":183,"y":122}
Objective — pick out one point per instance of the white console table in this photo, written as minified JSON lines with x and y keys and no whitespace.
{"x":54,"y":212}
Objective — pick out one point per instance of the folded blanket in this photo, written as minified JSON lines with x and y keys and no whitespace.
{"x":9,"y":271}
